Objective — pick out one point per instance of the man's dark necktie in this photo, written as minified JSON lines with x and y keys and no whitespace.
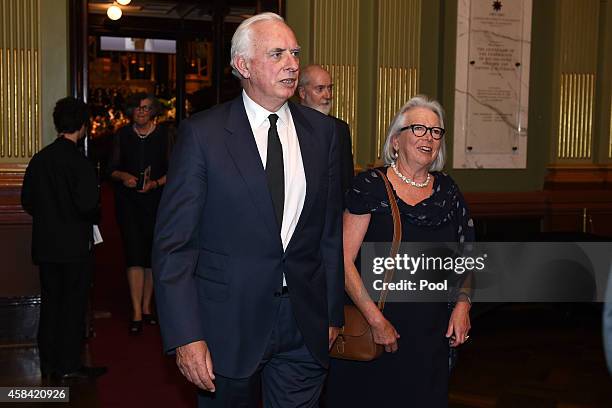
{"x":275,"y":173}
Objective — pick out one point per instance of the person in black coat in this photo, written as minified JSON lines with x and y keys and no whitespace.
{"x":315,"y":90}
{"x":60,"y":192}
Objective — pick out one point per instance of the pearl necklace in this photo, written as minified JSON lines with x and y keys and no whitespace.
{"x":147,"y":133}
{"x":409,"y":181}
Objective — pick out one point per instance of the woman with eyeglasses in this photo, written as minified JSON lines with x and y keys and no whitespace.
{"x":138,"y":166}
{"x":414,"y":370}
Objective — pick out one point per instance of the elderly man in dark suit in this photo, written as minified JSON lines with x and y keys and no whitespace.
{"x":60,"y":191}
{"x":248,"y":247}
{"x":315,"y":90}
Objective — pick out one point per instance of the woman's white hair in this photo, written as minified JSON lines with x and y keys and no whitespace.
{"x":242,"y":42}
{"x":419,"y":101}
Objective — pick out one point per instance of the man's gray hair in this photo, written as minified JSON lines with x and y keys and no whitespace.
{"x":242,"y":41}
{"x":419,"y":101}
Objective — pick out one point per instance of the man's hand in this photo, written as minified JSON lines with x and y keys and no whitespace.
{"x":333,"y":334}
{"x":195,"y":363}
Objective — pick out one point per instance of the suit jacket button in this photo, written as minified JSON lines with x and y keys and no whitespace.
{"x":277,"y":294}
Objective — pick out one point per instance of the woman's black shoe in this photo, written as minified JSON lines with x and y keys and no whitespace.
{"x":135,"y":327}
{"x":149,"y":319}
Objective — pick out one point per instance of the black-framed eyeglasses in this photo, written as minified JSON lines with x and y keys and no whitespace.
{"x":145,"y":108}
{"x":420,"y":130}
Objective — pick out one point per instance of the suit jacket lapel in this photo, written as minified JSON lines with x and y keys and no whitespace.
{"x":308,"y":148}
{"x":243,"y":150}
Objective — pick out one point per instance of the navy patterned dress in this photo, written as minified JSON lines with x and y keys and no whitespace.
{"x":417,"y":374}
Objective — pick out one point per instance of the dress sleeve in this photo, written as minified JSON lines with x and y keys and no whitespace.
{"x":361,"y":198}
{"x":465,"y":233}
{"x":465,"y":229}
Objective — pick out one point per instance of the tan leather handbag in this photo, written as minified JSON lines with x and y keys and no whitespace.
{"x":356,"y":341}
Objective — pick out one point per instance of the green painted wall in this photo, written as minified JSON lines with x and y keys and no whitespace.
{"x":366,"y":76}
{"x":54,"y":61}
{"x":437,"y":79}
{"x":298,"y":17}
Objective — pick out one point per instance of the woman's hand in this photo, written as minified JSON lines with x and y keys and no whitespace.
{"x":459,"y":324}
{"x":149,"y":185}
{"x":385,"y":334}
{"x":129,"y":181}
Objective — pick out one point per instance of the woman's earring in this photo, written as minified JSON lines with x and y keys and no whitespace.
{"x":395,"y":154}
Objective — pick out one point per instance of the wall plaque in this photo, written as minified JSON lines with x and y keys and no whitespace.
{"x":492,"y":83}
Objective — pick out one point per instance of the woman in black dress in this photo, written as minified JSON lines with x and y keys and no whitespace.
{"x":414,"y":370}
{"x":138,"y":166}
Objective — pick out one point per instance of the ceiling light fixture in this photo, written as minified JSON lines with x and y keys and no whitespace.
{"x":124,"y":2}
{"x":114,"y":12}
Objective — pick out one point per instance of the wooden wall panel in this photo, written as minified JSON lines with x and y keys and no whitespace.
{"x":18,"y":276}
{"x":579,"y":210}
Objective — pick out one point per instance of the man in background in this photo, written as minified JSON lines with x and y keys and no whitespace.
{"x":60,"y":193}
{"x":315,"y":90}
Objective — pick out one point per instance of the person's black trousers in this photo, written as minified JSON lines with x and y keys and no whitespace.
{"x":288,"y":375}
{"x":64,"y":289}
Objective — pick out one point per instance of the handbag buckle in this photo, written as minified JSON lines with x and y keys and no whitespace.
{"x":340,"y":344}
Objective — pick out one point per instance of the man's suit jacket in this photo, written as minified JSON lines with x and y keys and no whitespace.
{"x":60,"y":191}
{"x":218,"y":258}
{"x":347,"y":169}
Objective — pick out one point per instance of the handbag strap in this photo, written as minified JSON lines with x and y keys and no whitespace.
{"x":397,"y":237}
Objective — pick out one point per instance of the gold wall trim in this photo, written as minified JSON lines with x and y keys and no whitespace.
{"x":576,"y":116}
{"x":20,"y":121}
{"x":395,"y":87}
{"x":610,"y":134}
{"x":577,"y":61}
{"x":399,"y":49}
{"x":335,"y":32}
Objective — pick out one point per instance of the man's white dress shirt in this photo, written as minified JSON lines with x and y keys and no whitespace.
{"x":295,"y":178}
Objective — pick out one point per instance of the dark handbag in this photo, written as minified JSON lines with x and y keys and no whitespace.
{"x":355,"y":340}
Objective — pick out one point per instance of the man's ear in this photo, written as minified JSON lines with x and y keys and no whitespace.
{"x":301,"y":92}
{"x":242,"y":66}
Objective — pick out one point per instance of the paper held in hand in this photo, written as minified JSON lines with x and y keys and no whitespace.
{"x":97,"y":236}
